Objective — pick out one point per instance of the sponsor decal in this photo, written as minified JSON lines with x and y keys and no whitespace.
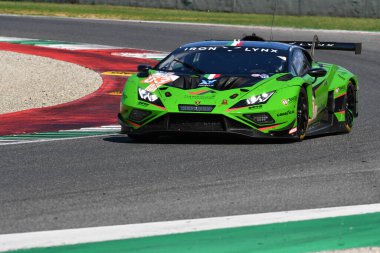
{"x":285,"y":113}
{"x":262,"y":50}
{"x":197,"y":102}
{"x":311,"y":44}
{"x":225,"y":102}
{"x":255,"y":107}
{"x":212,"y":76}
{"x":158,"y":79}
{"x":209,"y":80}
{"x":230,"y":48}
{"x":197,"y":96}
{"x":118,"y":73}
{"x":143,"y":103}
{"x":262,"y":76}
{"x":200,"y":48}
{"x":315,"y":110}
{"x":196,"y":108}
{"x":235,"y":43}
{"x":115,"y":93}
{"x":207,"y":83}
{"x":287,"y":101}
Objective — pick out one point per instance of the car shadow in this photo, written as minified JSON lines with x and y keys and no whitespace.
{"x":198,"y":139}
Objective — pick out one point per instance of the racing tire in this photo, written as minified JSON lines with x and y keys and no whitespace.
{"x":350,"y":103}
{"x":302,"y":114}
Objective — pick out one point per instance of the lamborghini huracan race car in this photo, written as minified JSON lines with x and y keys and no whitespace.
{"x":245,"y":87}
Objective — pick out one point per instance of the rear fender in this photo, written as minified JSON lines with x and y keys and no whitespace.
{"x":339,"y":85}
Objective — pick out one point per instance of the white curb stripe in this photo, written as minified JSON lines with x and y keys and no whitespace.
{"x":110,"y":128}
{"x":102,"y":128}
{"x":75,"y":46}
{"x":57,"y":139}
{"x":9,"y":39}
{"x":107,"y":233}
{"x":142,"y":55}
{"x":79,"y":46}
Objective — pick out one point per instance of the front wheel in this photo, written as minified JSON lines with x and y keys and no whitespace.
{"x":302,"y":114}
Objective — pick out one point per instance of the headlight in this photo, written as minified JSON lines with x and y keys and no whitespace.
{"x":260,"y":99}
{"x":147,"y":96}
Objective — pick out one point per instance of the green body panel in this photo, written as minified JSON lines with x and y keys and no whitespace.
{"x":282,"y":106}
{"x":282,"y":114}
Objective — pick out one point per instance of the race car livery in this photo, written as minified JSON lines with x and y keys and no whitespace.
{"x":245,"y":87}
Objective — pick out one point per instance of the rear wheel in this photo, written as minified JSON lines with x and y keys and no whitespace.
{"x":302,"y":114}
{"x":350,"y":104}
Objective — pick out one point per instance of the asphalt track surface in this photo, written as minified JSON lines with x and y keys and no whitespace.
{"x":111,"y":180}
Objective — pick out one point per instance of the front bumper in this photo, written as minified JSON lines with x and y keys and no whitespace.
{"x":177,"y":123}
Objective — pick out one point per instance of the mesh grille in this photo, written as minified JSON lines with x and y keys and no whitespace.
{"x":196,"y":122}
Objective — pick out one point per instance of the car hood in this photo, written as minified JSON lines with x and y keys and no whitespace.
{"x":216,"y":82}
{"x":212,"y":89}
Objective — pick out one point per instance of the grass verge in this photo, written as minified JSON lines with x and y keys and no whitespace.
{"x":134,"y":13}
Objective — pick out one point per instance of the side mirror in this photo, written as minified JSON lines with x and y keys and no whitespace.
{"x":143,"y":70}
{"x":317,"y":72}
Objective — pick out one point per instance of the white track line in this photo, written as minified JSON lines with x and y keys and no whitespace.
{"x":107,"y":233}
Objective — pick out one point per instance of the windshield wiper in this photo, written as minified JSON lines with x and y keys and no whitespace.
{"x":188,"y":65}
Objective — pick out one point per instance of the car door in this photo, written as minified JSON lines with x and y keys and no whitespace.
{"x":301,"y":63}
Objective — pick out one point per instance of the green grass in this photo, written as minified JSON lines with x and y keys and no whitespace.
{"x":122,"y":12}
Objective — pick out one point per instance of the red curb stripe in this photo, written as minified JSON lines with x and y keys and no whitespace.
{"x":95,"y":109}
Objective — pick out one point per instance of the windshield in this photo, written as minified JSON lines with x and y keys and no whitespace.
{"x":225,"y":61}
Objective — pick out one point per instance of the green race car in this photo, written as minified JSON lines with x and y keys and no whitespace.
{"x":245,"y":87}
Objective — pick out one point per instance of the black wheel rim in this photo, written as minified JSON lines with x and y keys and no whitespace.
{"x":350,"y":106}
{"x":302,"y":115}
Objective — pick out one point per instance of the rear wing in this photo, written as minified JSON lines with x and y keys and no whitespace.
{"x":315,"y":44}
{"x":341,"y":46}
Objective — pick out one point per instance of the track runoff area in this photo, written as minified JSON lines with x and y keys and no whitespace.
{"x":67,"y":121}
{"x":293,"y":231}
